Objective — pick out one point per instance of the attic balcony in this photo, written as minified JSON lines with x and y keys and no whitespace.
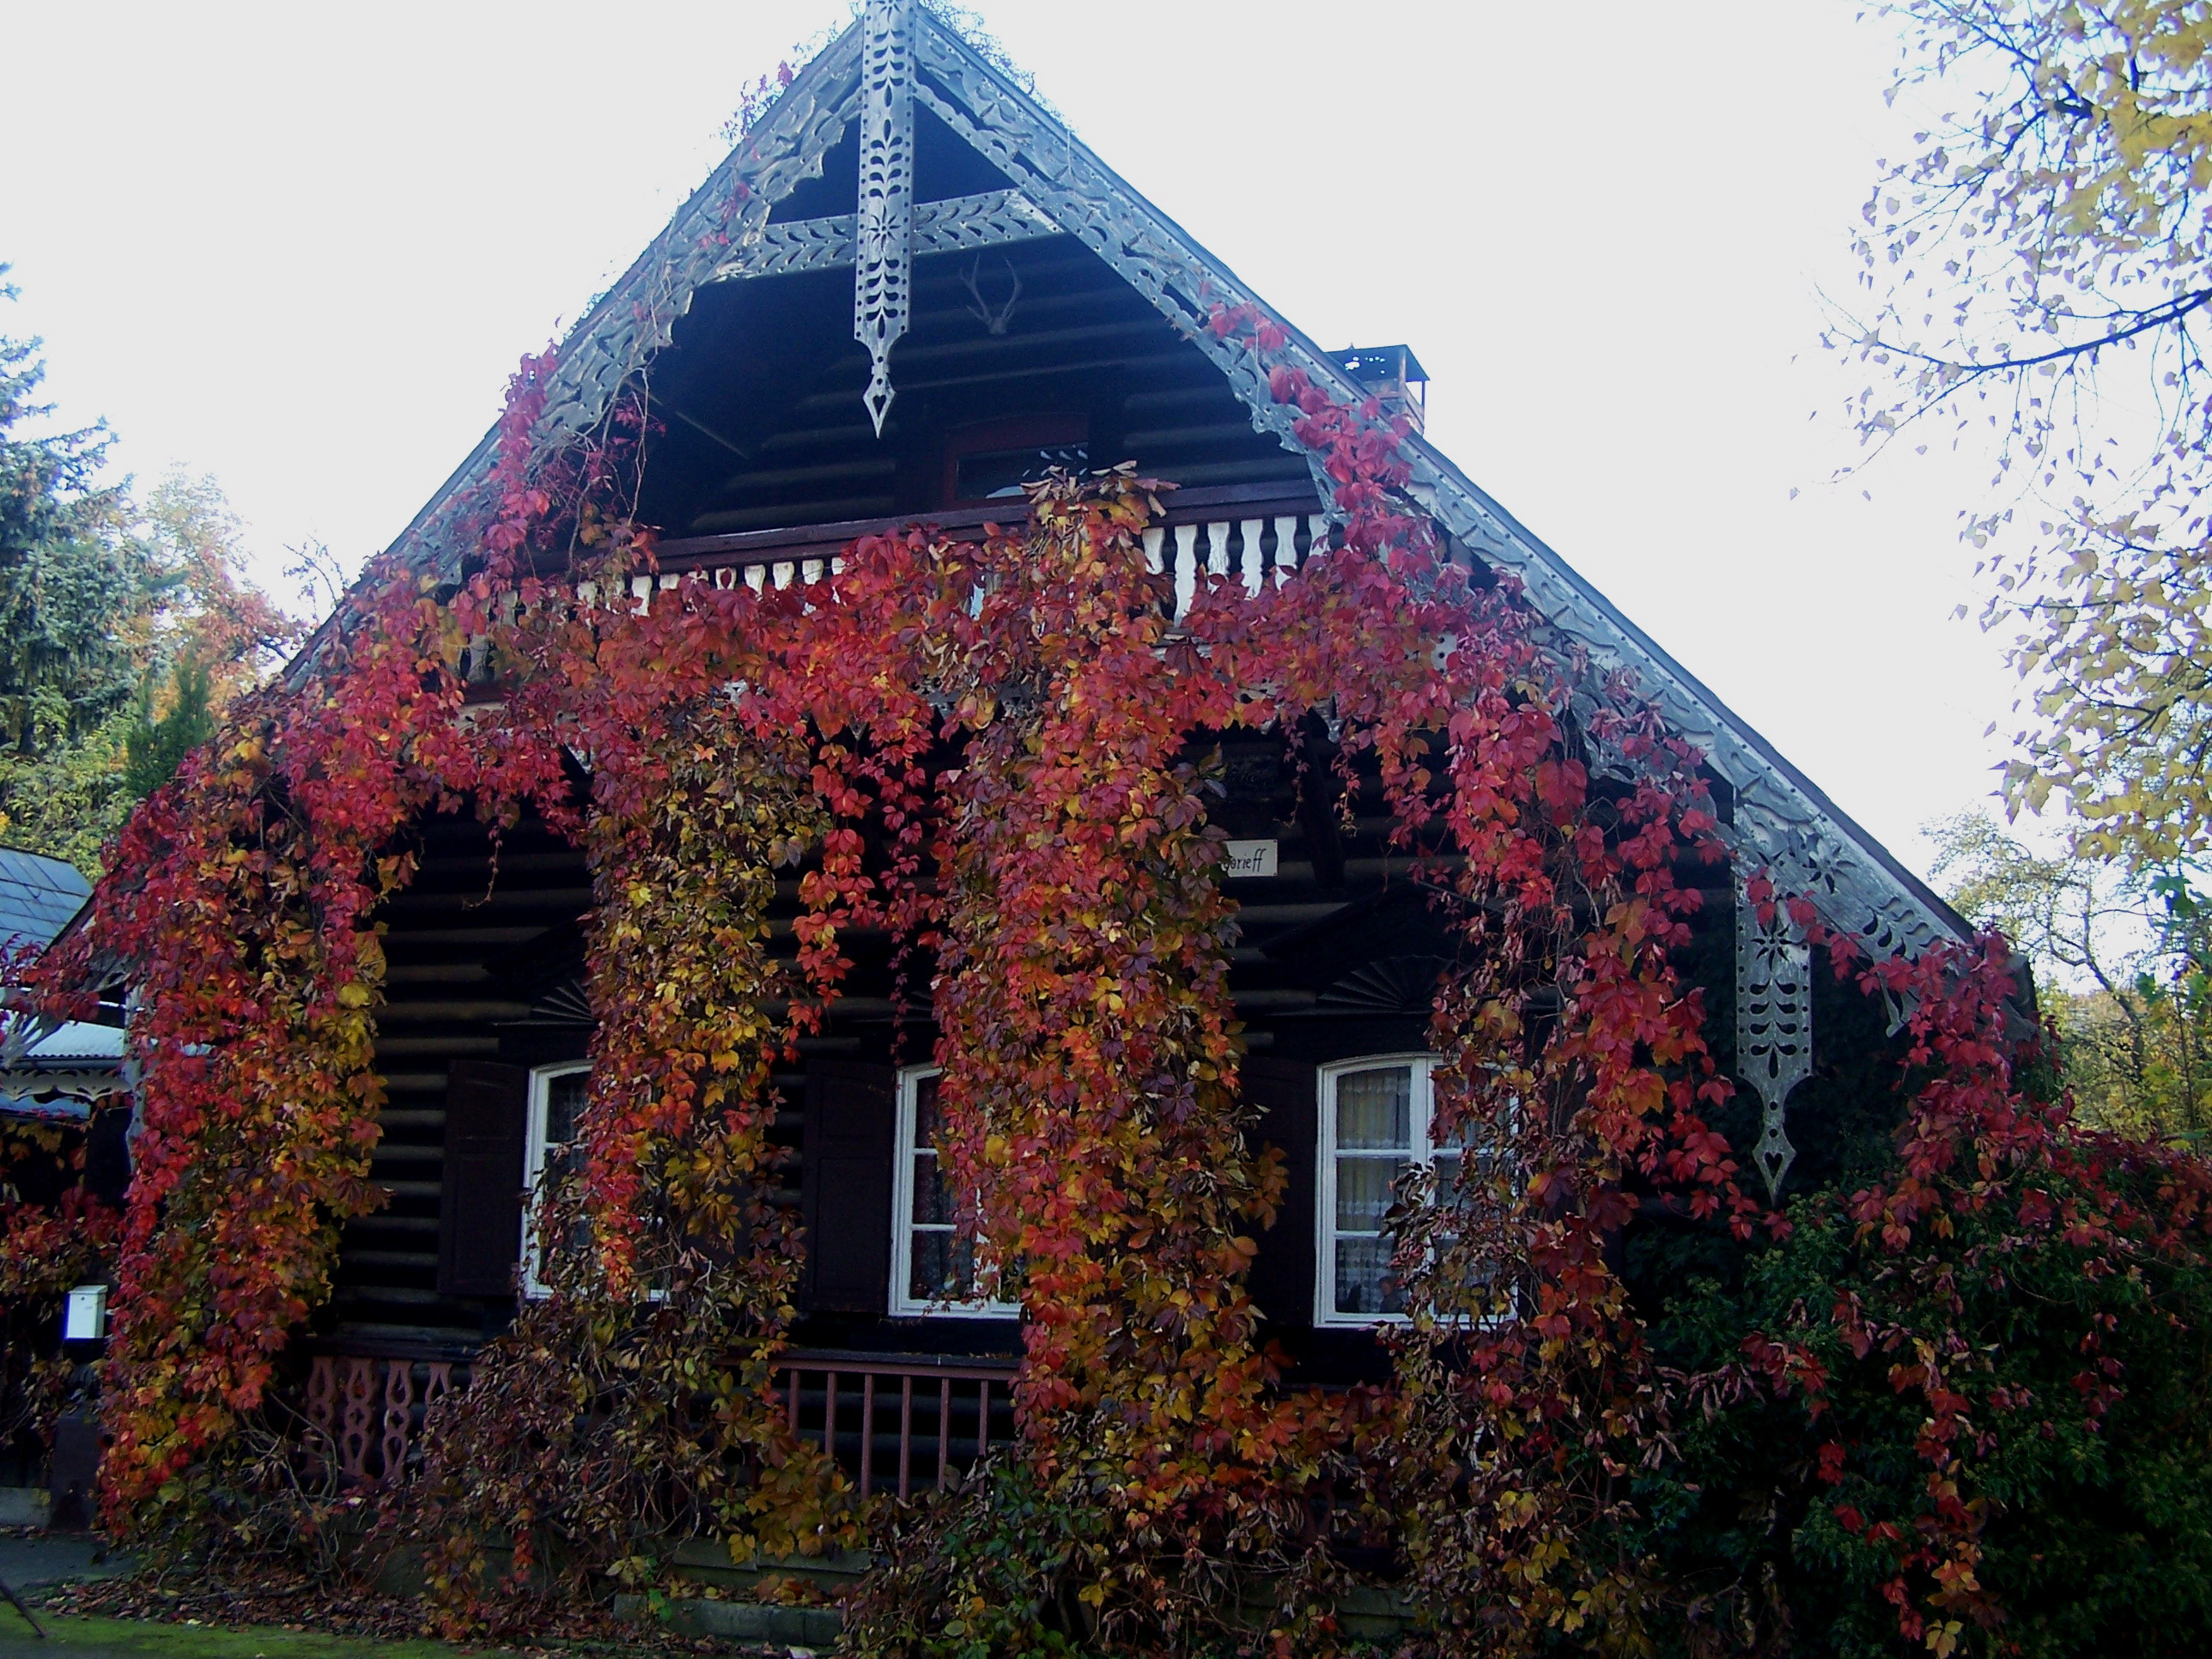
{"x":1259,"y":532}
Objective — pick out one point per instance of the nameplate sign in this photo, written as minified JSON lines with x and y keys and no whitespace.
{"x":1247,"y":858}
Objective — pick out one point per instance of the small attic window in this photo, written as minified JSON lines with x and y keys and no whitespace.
{"x":992,"y":462}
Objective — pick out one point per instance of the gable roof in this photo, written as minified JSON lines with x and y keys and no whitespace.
{"x":38,"y":896}
{"x":1780,"y":819}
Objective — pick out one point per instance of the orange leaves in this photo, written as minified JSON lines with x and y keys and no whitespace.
{"x":1571,"y":1054}
{"x":1086,"y":1034}
{"x":977,"y":753}
{"x":242,"y":906}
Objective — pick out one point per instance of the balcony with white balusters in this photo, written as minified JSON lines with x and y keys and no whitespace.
{"x":1256,"y":534}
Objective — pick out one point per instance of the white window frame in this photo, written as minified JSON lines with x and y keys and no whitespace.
{"x":534,"y":1148}
{"x":903,"y":1305}
{"x":1422,"y":1152}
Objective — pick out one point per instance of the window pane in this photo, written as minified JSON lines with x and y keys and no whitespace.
{"x":578,"y":1238}
{"x":1460,"y":1138}
{"x":933,"y":1196}
{"x":564,"y":1104}
{"x":944,"y":1268}
{"x":1364,"y":1284}
{"x":999,"y":474}
{"x":927,"y":1121}
{"x":1362,"y":1191}
{"x":1446,"y":1177}
{"x":1375,"y":1108}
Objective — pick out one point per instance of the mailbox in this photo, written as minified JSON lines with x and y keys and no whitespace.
{"x":84,"y":1316}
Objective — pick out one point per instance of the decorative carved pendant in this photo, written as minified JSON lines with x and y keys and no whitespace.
{"x":1773,"y":1025}
{"x":882,"y":269}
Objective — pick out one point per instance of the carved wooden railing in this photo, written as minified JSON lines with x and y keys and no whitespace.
{"x":365,"y":1414}
{"x":893,"y":1422}
{"x":1254,"y":533}
{"x":897,"y":1421}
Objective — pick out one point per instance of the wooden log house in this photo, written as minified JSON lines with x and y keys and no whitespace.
{"x":931,"y":293}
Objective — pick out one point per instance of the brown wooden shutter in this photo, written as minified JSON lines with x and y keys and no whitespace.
{"x":1282,"y":1282}
{"x":480,"y":1208}
{"x":845,"y":1186}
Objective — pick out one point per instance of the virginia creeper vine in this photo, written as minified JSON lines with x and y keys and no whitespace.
{"x":993,"y":754}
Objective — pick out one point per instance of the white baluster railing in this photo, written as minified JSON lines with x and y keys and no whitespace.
{"x":1253,"y":552}
{"x":1256,"y":551}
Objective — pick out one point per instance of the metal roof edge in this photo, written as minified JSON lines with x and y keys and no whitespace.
{"x":1054,"y":182}
{"x":757,"y":147}
{"x":1751,"y":735}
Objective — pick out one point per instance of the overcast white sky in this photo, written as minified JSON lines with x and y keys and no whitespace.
{"x":300,"y":247}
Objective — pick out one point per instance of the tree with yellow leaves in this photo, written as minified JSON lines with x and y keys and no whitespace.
{"x":2042,"y":263}
{"x":2124,"y":971}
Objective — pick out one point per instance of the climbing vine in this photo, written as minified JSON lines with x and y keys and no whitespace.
{"x":1991,"y":1342}
{"x":994,"y":754}
{"x":633,"y":1403}
{"x":242,"y":913}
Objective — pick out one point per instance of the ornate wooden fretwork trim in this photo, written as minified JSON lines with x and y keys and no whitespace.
{"x":565,"y":1004}
{"x":1403,"y":985}
{"x":1781,"y":824}
{"x":957,"y":224}
{"x":1773,"y":1025}
{"x":636,"y":317}
{"x":883,"y":273}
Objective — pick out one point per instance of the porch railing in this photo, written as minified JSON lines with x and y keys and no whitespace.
{"x":365,"y":1413}
{"x":1254,"y":535}
{"x":897,"y":1423}
{"x":894,"y":1423}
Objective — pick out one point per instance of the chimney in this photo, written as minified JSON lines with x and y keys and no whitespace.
{"x":1393,"y":376}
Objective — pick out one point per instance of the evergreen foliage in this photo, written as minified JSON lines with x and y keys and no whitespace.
{"x":68,"y":576}
{"x":156,"y":746}
{"x":125,"y":625}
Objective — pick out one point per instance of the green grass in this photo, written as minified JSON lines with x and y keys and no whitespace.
{"x":132,"y":1638}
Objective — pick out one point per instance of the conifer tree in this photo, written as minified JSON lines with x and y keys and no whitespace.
{"x":125,"y":625}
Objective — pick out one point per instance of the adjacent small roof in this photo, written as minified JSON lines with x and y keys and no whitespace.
{"x":75,"y":1043}
{"x":58,"y":1075}
{"x":38,"y":896}
{"x":54,"y":1109}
